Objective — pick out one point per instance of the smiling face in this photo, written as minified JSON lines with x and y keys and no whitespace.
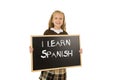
{"x":57,"y":20}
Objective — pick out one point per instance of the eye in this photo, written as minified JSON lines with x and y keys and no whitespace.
{"x":55,"y":18}
{"x":61,"y":18}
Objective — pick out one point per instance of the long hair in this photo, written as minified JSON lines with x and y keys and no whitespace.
{"x":51,"y":25}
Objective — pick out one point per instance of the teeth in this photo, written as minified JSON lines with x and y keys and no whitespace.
{"x":57,"y":23}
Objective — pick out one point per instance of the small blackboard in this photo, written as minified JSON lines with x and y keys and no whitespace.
{"x":55,"y":51}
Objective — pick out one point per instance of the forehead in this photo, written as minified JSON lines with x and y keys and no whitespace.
{"x":57,"y":14}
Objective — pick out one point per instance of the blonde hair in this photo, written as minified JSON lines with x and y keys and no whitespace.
{"x":51,"y":25}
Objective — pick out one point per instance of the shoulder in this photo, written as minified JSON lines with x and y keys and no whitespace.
{"x":48,"y":32}
{"x":64,"y":32}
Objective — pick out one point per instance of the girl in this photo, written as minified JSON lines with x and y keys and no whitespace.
{"x":57,"y":26}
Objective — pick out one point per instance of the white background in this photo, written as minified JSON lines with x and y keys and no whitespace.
{"x":97,"y":22}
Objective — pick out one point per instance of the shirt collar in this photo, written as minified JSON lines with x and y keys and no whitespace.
{"x":57,"y":31}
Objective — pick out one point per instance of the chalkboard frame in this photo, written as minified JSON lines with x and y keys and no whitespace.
{"x":55,"y":36}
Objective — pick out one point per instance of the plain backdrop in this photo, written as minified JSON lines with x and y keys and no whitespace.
{"x":96,"y":21}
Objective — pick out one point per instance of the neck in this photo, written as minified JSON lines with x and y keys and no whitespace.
{"x":57,"y":28}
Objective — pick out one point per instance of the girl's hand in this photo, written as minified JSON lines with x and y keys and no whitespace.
{"x":30,"y":49}
{"x":81,"y":51}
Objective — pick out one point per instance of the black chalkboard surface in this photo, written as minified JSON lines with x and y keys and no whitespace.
{"x":55,"y":51}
